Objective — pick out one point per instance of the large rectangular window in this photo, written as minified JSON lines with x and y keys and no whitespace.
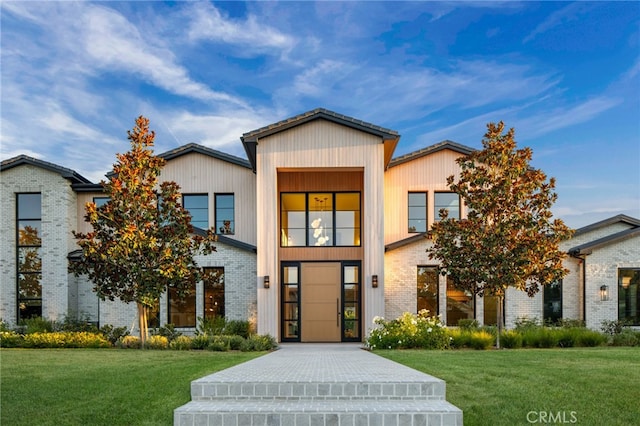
{"x":182,"y":311}
{"x":449,"y":201}
{"x":198,"y":206}
{"x":225,"y":211}
{"x":629,"y":295}
{"x":320,"y":219}
{"x":552,"y":295}
{"x":29,"y":255}
{"x":460,"y":304}
{"x":417,"y":212}
{"x":213,"y":292}
{"x":427,"y":289}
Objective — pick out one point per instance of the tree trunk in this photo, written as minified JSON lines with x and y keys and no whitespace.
{"x":500,"y":317}
{"x":142,"y":323}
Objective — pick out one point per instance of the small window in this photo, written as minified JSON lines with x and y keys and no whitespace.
{"x":427,"y":289}
{"x":629,"y":295}
{"x":448,"y":201}
{"x":552,"y":295}
{"x":417,"y":212}
{"x":213,"y":292}
{"x":225,"y":213}
{"x":100,"y":201}
{"x":198,"y":207}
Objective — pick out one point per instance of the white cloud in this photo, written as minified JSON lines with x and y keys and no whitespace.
{"x":208,"y":23}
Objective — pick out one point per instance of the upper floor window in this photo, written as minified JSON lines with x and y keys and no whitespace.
{"x":449,"y":201}
{"x":225,"y":213}
{"x":100,"y":201}
{"x":198,"y":206}
{"x":29,"y":267}
{"x":417,"y":212}
{"x":320,"y":219}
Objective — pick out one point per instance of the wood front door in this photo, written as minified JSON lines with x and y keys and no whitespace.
{"x":321,"y":302}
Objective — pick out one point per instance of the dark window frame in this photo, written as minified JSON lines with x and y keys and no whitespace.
{"x":217,"y":296}
{"x":413,"y":229}
{"x":308,"y":225}
{"x":437,"y":207}
{"x":222,"y":226}
{"x":437,"y":293}
{"x":196,"y":194}
{"x":20,"y":273}
{"x":626,"y":298}
{"x":547,"y":299}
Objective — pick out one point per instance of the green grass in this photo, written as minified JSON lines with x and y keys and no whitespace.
{"x":102,"y":386}
{"x":600,"y":385}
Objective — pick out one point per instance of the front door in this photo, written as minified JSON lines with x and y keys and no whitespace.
{"x":321,"y":302}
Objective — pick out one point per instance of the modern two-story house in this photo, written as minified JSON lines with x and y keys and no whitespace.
{"x":320,"y":230}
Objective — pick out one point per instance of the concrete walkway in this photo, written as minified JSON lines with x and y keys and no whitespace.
{"x":318,"y":384}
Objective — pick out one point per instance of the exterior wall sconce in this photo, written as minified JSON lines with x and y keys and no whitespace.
{"x":265,"y":281}
{"x":604,"y":293}
{"x":374,"y":281}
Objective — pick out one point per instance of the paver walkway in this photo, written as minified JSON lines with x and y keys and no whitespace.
{"x":318,"y":384}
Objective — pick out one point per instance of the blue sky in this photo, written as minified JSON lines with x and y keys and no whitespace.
{"x":565,"y":75}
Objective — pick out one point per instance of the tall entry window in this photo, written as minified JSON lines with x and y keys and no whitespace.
{"x":290,"y":302}
{"x":427,"y":289}
{"x":29,"y":254}
{"x":351,"y":317}
{"x":449,"y":201}
{"x":320,"y":219}
{"x":629,"y":295}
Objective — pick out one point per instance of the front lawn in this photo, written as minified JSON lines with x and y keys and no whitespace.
{"x":583,"y":386}
{"x":102,"y":386}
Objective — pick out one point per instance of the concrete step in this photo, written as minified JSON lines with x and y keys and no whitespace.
{"x":314,"y":412}
{"x":210,"y":389}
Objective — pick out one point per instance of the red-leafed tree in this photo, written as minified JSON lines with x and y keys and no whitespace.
{"x":142,"y":242}
{"x":508,"y":238}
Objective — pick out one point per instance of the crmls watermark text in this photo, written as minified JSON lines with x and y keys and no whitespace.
{"x":552,"y":417}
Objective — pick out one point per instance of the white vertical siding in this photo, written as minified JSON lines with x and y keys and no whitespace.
{"x":318,"y":144}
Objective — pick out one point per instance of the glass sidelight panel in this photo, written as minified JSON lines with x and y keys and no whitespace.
{"x":351,"y":310}
{"x":290,"y":294}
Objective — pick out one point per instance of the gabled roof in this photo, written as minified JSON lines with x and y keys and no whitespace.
{"x":250,"y":139}
{"x":587,"y":248}
{"x":199,"y":149}
{"x":446,"y":144}
{"x":621,"y":218}
{"x":20,"y":160}
{"x":405,"y":242}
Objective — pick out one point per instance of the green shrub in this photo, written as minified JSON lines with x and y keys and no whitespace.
{"x":113,"y":334}
{"x":169,"y":331}
{"x":4,"y":326}
{"x":74,"y":323}
{"x":257,"y":342}
{"x":458,"y":338}
{"x":218,"y":344}
{"x":10,"y":339}
{"x":511,"y":339}
{"x":480,"y":340}
{"x":65,"y":339}
{"x":591,"y":338}
{"x":129,"y":342}
{"x":237,"y":328}
{"x":235,"y":342}
{"x":200,"y":341}
{"x":210,"y":326}
{"x":524,"y":324}
{"x":157,"y":342}
{"x":36,"y":325}
{"x":468,"y":324}
{"x":571,"y":323}
{"x":626,"y":337}
{"x":614,"y":327}
{"x":181,"y":343}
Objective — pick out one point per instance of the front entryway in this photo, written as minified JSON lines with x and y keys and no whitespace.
{"x":320,"y":302}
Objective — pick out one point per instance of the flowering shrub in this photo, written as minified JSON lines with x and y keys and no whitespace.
{"x":65,"y":340}
{"x":181,"y":343}
{"x":157,"y":342}
{"x":129,"y":342}
{"x":409,"y":331}
{"x":9,"y":339}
